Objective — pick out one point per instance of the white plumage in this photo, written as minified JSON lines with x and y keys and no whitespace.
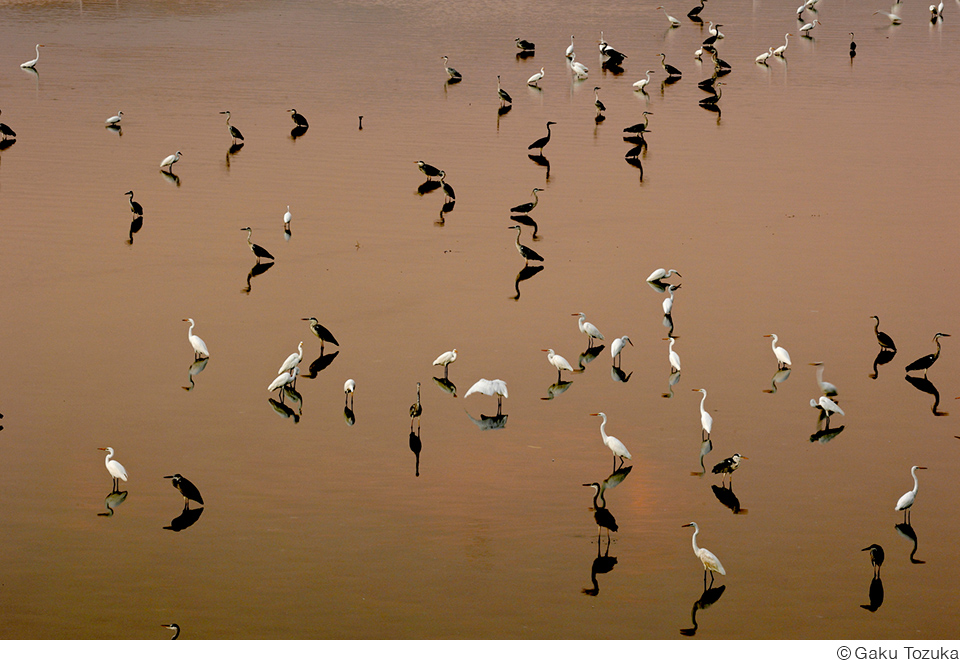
{"x":489,"y":387}
{"x":706,"y":421}
{"x":618,"y":448}
{"x":783,"y":358}
{"x":674,"y":358}
{"x":707,"y":558}
{"x":292,"y":360}
{"x":559,"y":362}
{"x":199,"y":347}
{"x":587,"y":328}
{"x":908,"y":498}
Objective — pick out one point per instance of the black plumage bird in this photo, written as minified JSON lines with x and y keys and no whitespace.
{"x":172,"y":626}
{"x":876,"y":557}
{"x":713,"y":100}
{"x":542,"y":142}
{"x":298,"y":119}
{"x":598,"y":103}
{"x":601,"y":515}
{"x":6,"y":131}
{"x":447,"y":188}
{"x":320,"y":332}
{"x":258,"y":251}
{"x":886,"y":343}
{"x":695,"y":12}
{"x":672,"y":71}
{"x":529,"y":206}
{"x":924,"y":363}
{"x":505,"y":98}
{"x":728,"y":465}
{"x":187,"y":489}
{"x":523,"y":44}
{"x":641,"y":127}
{"x":234,"y":131}
{"x":525,"y":252}
{"x":134,"y":206}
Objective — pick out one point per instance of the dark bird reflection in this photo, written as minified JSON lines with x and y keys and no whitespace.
{"x":427,"y":186}
{"x":529,"y":222}
{"x":283,"y":410}
{"x":875,"y":594}
{"x":707,"y":598}
{"x":905,"y":530}
{"x":258,"y":269}
{"x":883,"y":357}
{"x":504,"y":109}
{"x":488,"y":423}
{"x":298,"y":131}
{"x":195,"y":368}
{"x":824,"y":436}
{"x":601,"y":565}
{"x":601,"y":515}
{"x":727,"y":498}
{"x":320,"y":364}
{"x":171,"y":177}
{"x":234,"y":149}
{"x":6,"y":143}
{"x":779,"y":378}
{"x":542,"y":161}
{"x":446,"y":385}
{"x":524,"y":54}
{"x":668,"y":324}
{"x":556,"y":389}
{"x":588,"y":356}
{"x":617,"y":375}
{"x":186,"y":518}
{"x":135,"y":226}
{"x":415,"y":447}
{"x":925,"y":385}
{"x":113,"y":499}
{"x":525,"y":274}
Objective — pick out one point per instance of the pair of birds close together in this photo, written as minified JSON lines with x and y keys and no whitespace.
{"x":182,"y":484}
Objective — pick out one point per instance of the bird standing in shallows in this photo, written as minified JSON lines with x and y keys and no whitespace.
{"x":587,"y":328}
{"x":642,"y":128}
{"x":452,"y":73}
{"x":783,"y":358}
{"x":534,"y":80}
{"x":6,"y":131}
{"x":292,"y":360}
{"x":672,"y":71}
{"x":579,"y":70}
{"x":707,"y":558}
{"x":598,"y":103}
{"x":809,"y":26}
{"x":31,"y":64}
{"x":780,"y":50}
{"x":445,"y":359}
{"x":135,"y":207}
{"x":695,"y":12}
{"x":674,"y":357}
{"x":886,"y":343}
{"x":428,"y":170}
{"x":853,"y":45}
{"x":199,"y":346}
{"x":448,"y":192}
{"x":542,"y":142}
{"x":416,"y":409}
{"x":172,"y":626}
{"x":558,"y":361}
{"x":907,"y":499}
{"x":660,"y":273}
{"x":287,"y":217}
{"x":927,"y":361}
{"x":569,"y":53}
{"x":349,"y":386}
{"x":617,"y":346}
{"x":829,"y":389}
{"x":617,"y":447}
{"x":114,"y":120}
{"x":728,"y":466}
{"x":668,"y":302}
{"x":321,"y":332}
{"x":490,"y":388}
{"x":529,"y":206}
{"x":643,"y":82}
{"x":762,"y":57}
{"x":234,"y":131}
{"x":505,"y":99}
{"x":601,"y":515}
{"x":523,"y":44}
{"x":673,"y":21}
{"x":116,"y":470}
{"x":706,"y":421}
{"x":258,"y":251}
{"x":893,"y":18}
{"x":169,"y":161}
{"x":187,"y":489}
{"x":283,"y":380}
{"x":525,"y":252}
{"x":876,"y":557}
{"x":826,"y":404}
{"x":297,"y":118}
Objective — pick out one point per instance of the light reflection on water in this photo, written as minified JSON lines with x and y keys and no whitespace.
{"x":817,"y":198}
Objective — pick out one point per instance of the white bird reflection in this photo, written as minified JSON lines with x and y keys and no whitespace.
{"x":195,"y":368}
{"x":112,"y":501}
{"x":779,"y":378}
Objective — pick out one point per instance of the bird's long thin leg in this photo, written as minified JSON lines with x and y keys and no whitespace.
{"x":711,"y":578}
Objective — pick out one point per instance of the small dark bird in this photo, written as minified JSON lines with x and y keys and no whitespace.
{"x":524,"y":251}
{"x":234,"y":131}
{"x":258,"y":251}
{"x":428,"y":170}
{"x":886,"y":343}
{"x":298,"y":119}
{"x":6,"y":131}
{"x":505,"y":99}
{"x":927,"y":361}
{"x":876,"y":557}
{"x":320,"y":332}
{"x":542,"y":142}
{"x":523,"y":44}
{"x":187,"y":489}
{"x":452,"y":74}
{"x":172,"y":626}
{"x":447,"y":188}
{"x":134,"y":206}
{"x":728,"y":465}
{"x":416,"y":409}
{"x":853,"y":49}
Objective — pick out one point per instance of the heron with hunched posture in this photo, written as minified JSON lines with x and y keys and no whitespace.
{"x":587,"y":328}
{"x":258,"y":252}
{"x":528,"y":254}
{"x":927,"y":361}
{"x":445,"y":360}
{"x":187,"y":489}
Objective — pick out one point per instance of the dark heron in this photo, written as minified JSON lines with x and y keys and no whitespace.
{"x":598,"y":103}
{"x":258,"y":251}
{"x":876,"y":557}
{"x":672,"y":71}
{"x":641,"y":127}
{"x":695,"y":12}
{"x":447,"y":188}
{"x":298,"y":119}
{"x":927,"y":361}
{"x":524,"y":251}
{"x":234,"y":131}
{"x":728,"y":466}
{"x":886,"y":343}
{"x":6,"y":131}
{"x":416,"y":409}
{"x":452,"y":73}
{"x":428,"y":170}
{"x":134,"y":206}
{"x":523,"y":44}
{"x":505,"y":99}
{"x":172,"y":626}
{"x":187,"y":489}
{"x":542,"y":142}
{"x":529,"y":206}
{"x":320,"y":332}
{"x":601,"y":515}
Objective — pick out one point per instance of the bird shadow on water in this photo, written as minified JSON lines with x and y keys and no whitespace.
{"x":823,"y":436}
{"x":602,"y":564}
{"x":555,"y":389}
{"x":706,"y":446}
{"x":779,"y":378}
{"x":171,"y":177}
{"x":258,"y":269}
{"x":618,"y":375}
{"x":186,"y":518}
{"x":529,"y":222}
{"x":671,"y":381}
{"x":883,"y":357}
{"x":320,"y":364}
{"x":875,"y":594}
{"x":298,"y":131}
{"x":135,"y":226}
{"x":415,"y":446}
{"x":906,"y":530}
{"x":427,"y":187}
{"x":925,"y":385}
{"x":349,"y":416}
{"x":283,"y":410}
{"x":198,"y":365}
{"x":706,"y":599}
{"x":489,"y":422}
{"x":446,"y":385}
{"x":588,"y":356}
{"x":728,"y":498}
{"x":525,"y":274}
{"x":113,"y":499}
{"x":542,"y":161}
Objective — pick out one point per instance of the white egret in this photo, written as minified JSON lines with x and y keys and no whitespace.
{"x":416,"y":409}
{"x":578,"y":68}
{"x":187,"y":489}
{"x":135,"y":207}
{"x":284,"y":379}
{"x":587,"y":328}
{"x":490,"y":388}
{"x":558,"y":361}
{"x":172,"y":626}
{"x":617,"y":345}
{"x":292,"y":360}
{"x":783,"y":358}
{"x":780,"y":50}
{"x":32,"y":63}
{"x":762,"y":57}
{"x":445,"y":359}
{"x":570,"y":48}
{"x":234,"y":131}
{"x":728,"y":466}
{"x":529,"y":206}
{"x":528,"y":254}
{"x":534,"y":80}
{"x":707,"y":558}
{"x":298,"y":119}
{"x":542,"y":142}
{"x":706,"y":421}
{"x":828,"y":405}
{"x":116,"y":470}
{"x":809,"y":26}
{"x":428,"y":170}
{"x":199,"y":346}
{"x":643,"y":82}
{"x":505,"y":98}
{"x":349,"y":386}
{"x":114,"y":120}
{"x":668,"y":302}
{"x":714,"y":30}
{"x":612,"y":443}
{"x":886,"y":343}
{"x":169,"y":161}
{"x":672,"y":71}
{"x":927,"y":361}
{"x":907,"y":499}
{"x":893,"y":18}
{"x":674,"y":358}
{"x":259,"y":252}
{"x":673,"y":21}
{"x":452,"y":73}
{"x":287,"y":217}
{"x":828,"y":389}
{"x":661,"y":274}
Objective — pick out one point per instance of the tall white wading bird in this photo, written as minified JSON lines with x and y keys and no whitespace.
{"x":570,"y":48}
{"x":169,"y":161}
{"x":907,"y":499}
{"x":284,"y":379}
{"x":32,"y":63}
{"x":114,"y":120}
{"x":706,"y":421}
{"x":445,"y":359}
{"x":287,"y":217}
{"x":292,"y":360}
{"x":707,"y":558}
{"x":494,"y":387}
{"x":809,"y":26}
{"x":673,"y":21}
{"x":662,"y":274}
{"x":668,"y":302}
{"x":780,"y":50}
{"x":616,"y":346}
{"x":580,"y":70}
{"x":827,"y":405}
{"x":762,"y":57}
{"x":893,"y":18}
{"x":348,"y":388}
{"x":559,"y":362}
{"x":199,"y":347}
{"x":643,"y":82}
{"x":534,"y":80}
{"x":587,"y":328}
{"x":612,"y":443}
{"x":783,"y":358}
{"x":829,"y":389}
{"x":117,"y":471}
{"x":672,"y":354}
{"x":936,"y":11}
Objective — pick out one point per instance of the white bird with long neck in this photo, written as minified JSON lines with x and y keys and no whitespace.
{"x":587,"y":328}
{"x":780,"y":50}
{"x":117,"y":471}
{"x":809,"y":26}
{"x":570,"y":49}
{"x":829,"y":389}
{"x":783,"y":358}
{"x":827,"y":405}
{"x":668,"y":302}
{"x":534,"y":80}
{"x":643,"y":82}
{"x":618,"y":448}
{"x":32,"y":63}
{"x":662,"y":274}
{"x":284,"y":379}
{"x":114,"y":120}
{"x":706,"y":421}
{"x":673,"y":21}
{"x":907,"y":499}
{"x":559,"y":362}
{"x":674,"y":357}
{"x":617,"y":345}
{"x":292,"y":360}
{"x":287,"y":217}
{"x":707,"y":558}
{"x":445,"y":360}
{"x":199,"y":346}
{"x":762,"y":57}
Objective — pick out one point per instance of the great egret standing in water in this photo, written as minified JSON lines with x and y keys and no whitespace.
{"x":893,"y":18}
{"x":587,"y":328}
{"x":559,"y":362}
{"x":706,"y":421}
{"x":199,"y":346}
{"x":707,"y":558}
{"x":618,"y":448}
{"x":643,"y":82}
{"x":783,"y":358}
{"x":674,"y":357}
{"x":348,"y":388}
{"x":534,"y":80}
{"x":292,"y":360}
{"x":673,"y":21}
{"x":570,"y":48}
{"x":32,"y":63}
{"x":494,"y":387}
{"x":169,"y":161}
{"x":114,"y":120}
{"x":809,"y":26}
{"x":617,"y":345}
{"x":116,"y":470}
{"x":907,"y":499}
{"x":285,"y":378}
{"x":780,"y":50}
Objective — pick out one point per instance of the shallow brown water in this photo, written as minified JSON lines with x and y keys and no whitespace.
{"x":824,"y":193}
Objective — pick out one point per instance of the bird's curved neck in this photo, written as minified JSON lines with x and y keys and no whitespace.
{"x":937,"y":354}
{"x":876,"y":325}
{"x":603,"y":424}
{"x":249,"y":234}
{"x":693,"y":541}
{"x":916,"y":482}
{"x":702,"y":400}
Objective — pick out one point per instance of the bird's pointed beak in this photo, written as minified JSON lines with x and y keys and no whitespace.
{"x":169,"y":477}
